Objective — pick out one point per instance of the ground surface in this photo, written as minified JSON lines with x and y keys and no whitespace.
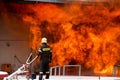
{"x":74,"y":78}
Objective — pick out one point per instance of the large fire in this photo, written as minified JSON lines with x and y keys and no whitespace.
{"x":78,"y":34}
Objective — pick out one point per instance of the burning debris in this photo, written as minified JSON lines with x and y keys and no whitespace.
{"x":79,"y":34}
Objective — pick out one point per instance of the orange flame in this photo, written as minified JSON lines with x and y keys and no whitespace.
{"x":78,"y":34}
{"x":84,"y":37}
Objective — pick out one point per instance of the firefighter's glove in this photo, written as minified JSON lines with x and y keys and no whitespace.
{"x":49,"y":61}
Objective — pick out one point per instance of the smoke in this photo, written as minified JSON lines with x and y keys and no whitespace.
{"x":12,"y":22}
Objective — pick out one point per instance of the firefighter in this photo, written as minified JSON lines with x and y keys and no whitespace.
{"x":45,"y":54}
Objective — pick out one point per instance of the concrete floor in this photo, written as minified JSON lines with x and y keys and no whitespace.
{"x":72,"y":78}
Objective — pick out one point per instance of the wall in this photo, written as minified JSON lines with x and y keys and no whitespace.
{"x":13,"y":51}
{"x":14,"y":43}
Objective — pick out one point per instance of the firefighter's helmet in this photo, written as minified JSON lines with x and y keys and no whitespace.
{"x":44,"y":40}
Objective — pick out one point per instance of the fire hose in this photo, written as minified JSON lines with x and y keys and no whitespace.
{"x":22,"y":69}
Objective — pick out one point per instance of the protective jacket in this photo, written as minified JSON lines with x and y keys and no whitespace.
{"x":45,"y":54}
